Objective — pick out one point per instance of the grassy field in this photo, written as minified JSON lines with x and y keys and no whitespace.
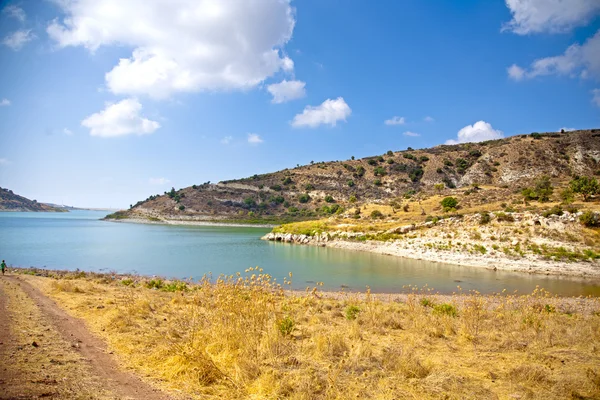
{"x":246,"y":337}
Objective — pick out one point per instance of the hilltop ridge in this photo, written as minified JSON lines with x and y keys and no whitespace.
{"x":323,"y":189}
{"x":10,"y":201}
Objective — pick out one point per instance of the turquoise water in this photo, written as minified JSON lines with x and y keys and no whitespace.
{"x":79,"y":239}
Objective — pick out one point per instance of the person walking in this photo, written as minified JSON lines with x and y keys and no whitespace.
{"x":3,"y":266}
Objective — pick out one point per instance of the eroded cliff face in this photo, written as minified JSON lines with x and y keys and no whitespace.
{"x":321,"y":189}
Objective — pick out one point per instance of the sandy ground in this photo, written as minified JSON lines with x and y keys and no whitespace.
{"x":46,"y":353}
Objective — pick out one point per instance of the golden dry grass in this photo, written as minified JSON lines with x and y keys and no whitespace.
{"x":245,"y":337}
{"x":50,"y":368}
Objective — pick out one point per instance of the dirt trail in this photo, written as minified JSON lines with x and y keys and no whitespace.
{"x":99,"y":367}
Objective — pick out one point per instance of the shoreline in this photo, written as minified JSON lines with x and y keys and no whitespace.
{"x":189,"y":223}
{"x":320,"y":293}
{"x":497,"y":261}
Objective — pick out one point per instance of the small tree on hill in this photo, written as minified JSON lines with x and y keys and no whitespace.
{"x":448,"y":203}
{"x":585,"y":186}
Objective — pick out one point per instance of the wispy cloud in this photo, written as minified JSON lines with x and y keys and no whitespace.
{"x":227,"y":139}
{"x":15,"y":12}
{"x":5,"y":103}
{"x":17,"y":39}
{"x":412,"y":134}
{"x":428,"y":119}
{"x":158,"y":181}
{"x":253,"y":138}
{"x":395,"y":121}
{"x":67,"y":131}
{"x":4,"y":161}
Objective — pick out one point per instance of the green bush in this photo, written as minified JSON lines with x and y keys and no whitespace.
{"x":590,"y":219}
{"x":541,"y":191}
{"x":484,"y":218}
{"x":502,"y":217}
{"x":390,"y":153}
{"x":352,"y":312}
{"x":379,"y":171}
{"x":304,"y":198}
{"x":309,"y":187}
{"x":329,"y":199}
{"x":250,"y":202}
{"x":372,"y":161}
{"x":276,"y":188}
{"x":360,"y":171}
{"x":585,"y":186}
{"x":445,"y":309}
{"x":352,"y":199}
{"x":350,"y":182}
{"x":155,"y":284}
{"x":377,"y":182}
{"x":449,"y":203}
{"x":286,"y":326}
{"x":536,"y":135}
{"x":181,"y":207}
{"x":376,"y":214}
{"x":287,"y":180}
{"x":556,"y":210}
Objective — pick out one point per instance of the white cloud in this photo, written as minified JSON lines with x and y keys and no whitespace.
{"x":287,"y":90}
{"x":554,"y":16}
{"x":429,"y":119}
{"x":412,"y":134}
{"x":478,"y":132}
{"x":253,"y":138}
{"x":183,"y":45}
{"x":67,"y":131}
{"x":395,"y":121}
{"x":119,"y":119}
{"x":596,"y":96}
{"x":515,"y":72}
{"x":17,"y":39}
{"x":15,"y":12}
{"x":5,"y":103}
{"x":577,"y":61}
{"x":328,"y":113}
{"x":4,"y":161}
{"x":158,"y":181}
{"x":227,"y":139}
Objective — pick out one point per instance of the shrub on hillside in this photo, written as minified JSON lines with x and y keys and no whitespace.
{"x":541,"y":191}
{"x":360,"y":171}
{"x":376,"y":214}
{"x":448,"y":203}
{"x":329,"y":199}
{"x":585,"y":186}
{"x":484,"y":218}
{"x":590,"y":219}
{"x":304,"y":198}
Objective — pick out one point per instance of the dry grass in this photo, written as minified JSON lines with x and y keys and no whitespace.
{"x":48,"y":368}
{"x":246,"y":337}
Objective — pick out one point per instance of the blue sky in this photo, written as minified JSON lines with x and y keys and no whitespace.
{"x":105,"y":102}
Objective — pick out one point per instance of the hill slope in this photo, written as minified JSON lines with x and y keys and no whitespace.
{"x":13,"y":202}
{"x":313,"y":191}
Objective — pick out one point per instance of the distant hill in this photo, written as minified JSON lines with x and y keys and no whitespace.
{"x":325,"y":188}
{"x":13,"y":202}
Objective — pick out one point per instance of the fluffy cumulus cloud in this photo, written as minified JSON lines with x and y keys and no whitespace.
{"x":18,"y":39}
{"x":579,"y":60}
{"x":119,"y":119}
{"x":596,"y":97}
{"x":15,"y":12}
{"x":5,"y":102}
{"x":328,"y":113}
{"x":411,"y":134}
{"x":182,"y":45}
{"x":395,"y":121}
{"x":286,"y":91}
{"x":158,"y":181}
{"x":553,"y":16}
{"x":478,"y":132}
{"x":253,"y":138}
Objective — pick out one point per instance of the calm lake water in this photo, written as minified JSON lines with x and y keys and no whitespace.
{"x":78,"y":239}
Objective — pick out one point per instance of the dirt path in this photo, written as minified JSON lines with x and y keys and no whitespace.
{"x":64,"y":342}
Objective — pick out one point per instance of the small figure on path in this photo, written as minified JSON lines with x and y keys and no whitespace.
{"x":3,"y":266}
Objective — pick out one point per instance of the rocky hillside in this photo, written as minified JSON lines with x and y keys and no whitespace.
{"x":13,"y":202}
{"x":317,"y":190}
